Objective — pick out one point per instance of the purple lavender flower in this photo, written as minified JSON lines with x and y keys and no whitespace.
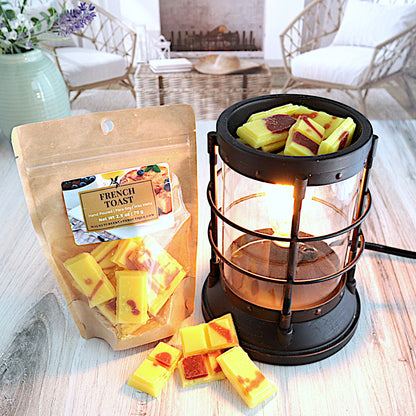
{"x":70,"y":21}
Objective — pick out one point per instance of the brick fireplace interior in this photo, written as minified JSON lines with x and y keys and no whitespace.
{"x":195,"y":27}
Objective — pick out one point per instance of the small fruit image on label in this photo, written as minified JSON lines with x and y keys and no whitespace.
{"x":159,"y":175}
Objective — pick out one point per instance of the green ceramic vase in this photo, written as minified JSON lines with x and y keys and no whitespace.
{"x":31,"y":89}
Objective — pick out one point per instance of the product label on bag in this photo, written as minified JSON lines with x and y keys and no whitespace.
{"x":125,"y":205}
{"x":121,"y":204}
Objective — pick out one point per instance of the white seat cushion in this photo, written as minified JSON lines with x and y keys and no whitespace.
{"x":336,"y":64}
{"x":82,"y":66}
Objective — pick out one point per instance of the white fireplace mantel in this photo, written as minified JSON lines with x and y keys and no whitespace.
{"x":144,"y":16}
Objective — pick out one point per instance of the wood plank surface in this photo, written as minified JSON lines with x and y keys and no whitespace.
{"x":46,"y":368}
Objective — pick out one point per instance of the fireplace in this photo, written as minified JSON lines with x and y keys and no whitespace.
{"x":197,"y":27}
{"x":267,"y":19}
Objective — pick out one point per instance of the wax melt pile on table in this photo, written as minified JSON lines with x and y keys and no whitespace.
{"x":211,"y":352}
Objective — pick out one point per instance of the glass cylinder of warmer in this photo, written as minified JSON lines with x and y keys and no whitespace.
{"x":268,"y":209}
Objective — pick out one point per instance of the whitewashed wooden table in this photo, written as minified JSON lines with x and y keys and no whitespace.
{"x":46,"y":368}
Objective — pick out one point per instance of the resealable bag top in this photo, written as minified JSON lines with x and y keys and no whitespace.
{"x":113,"y":201}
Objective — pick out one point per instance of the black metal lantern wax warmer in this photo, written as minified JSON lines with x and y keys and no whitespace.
{"x":285,"y":237}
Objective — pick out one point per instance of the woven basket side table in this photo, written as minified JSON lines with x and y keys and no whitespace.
{"x":209,"y":95}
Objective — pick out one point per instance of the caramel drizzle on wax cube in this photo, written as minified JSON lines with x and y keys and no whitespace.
{"x":96,"y":287}
{"x":133,"y":307}
{"x":248,"y":384}
{"x":252,"y":386}
{"x":307,"y":121}
{"x":224,"y":332}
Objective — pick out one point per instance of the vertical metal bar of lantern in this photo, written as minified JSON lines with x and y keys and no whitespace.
{"x":351,"y":282}
{"x":298,"y":195}
{"x":212,"y":188}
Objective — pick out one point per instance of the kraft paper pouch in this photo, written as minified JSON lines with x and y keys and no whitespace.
{"x":113,"y":200}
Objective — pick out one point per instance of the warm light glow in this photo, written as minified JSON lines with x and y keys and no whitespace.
{"x":279,"y":200}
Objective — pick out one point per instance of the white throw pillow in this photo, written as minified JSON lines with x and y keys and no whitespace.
{"x":369,"y":24}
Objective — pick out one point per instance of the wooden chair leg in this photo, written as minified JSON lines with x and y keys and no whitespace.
{"x":404,"y":84}
{"x":76,"y":96}
{"x":288,"y":85}
{"x":362,"y":95}
{"x":129,"y":84}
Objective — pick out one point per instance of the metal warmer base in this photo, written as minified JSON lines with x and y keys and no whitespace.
{"x":313,"y":337}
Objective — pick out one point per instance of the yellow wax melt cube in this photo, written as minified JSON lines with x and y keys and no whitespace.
{"x":272,"y":147}
{"x":132,"y":296}
{"x":217,"y":334}
{"x":103,"y":253}
{"x":332,"y":125}
{"x":304,"y":138}
{"x":150,"y":378}
{"x":194,"y":340}
{"x":108,"y":309}
{"x":124,"y":250}
{"x":91,"y":279}
{"x":327,"y":121}
{"x":200,"y":368}
{"x":158,"y":297}
{"x":165,"y":272}
{"x":252,"y":386}
{"x":213,"y":363}
{"x":283,"y":109}
{"x":310,"y":128}
{"x":221,"y":333}
{"x":242,"y":141}
{"x":156,"y":369}
{"x":339,"y":139}
{"x":261,"y":132}
{"x":144,"y":256}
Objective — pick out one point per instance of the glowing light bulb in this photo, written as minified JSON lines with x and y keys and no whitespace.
{"x":279,"y":200}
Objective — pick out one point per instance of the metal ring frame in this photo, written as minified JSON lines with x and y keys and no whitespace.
{"x":353,"y":225}
{"x":349,"y":266}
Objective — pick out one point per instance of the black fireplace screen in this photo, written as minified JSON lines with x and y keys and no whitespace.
{"x":223,"y":41}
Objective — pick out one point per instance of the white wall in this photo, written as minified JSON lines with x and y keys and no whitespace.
{"x":278,"y":14}
{"x":142,"y":14}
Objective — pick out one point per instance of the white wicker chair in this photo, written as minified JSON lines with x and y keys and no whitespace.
{"x":311,"y":36}
{"x":101,"y":55}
